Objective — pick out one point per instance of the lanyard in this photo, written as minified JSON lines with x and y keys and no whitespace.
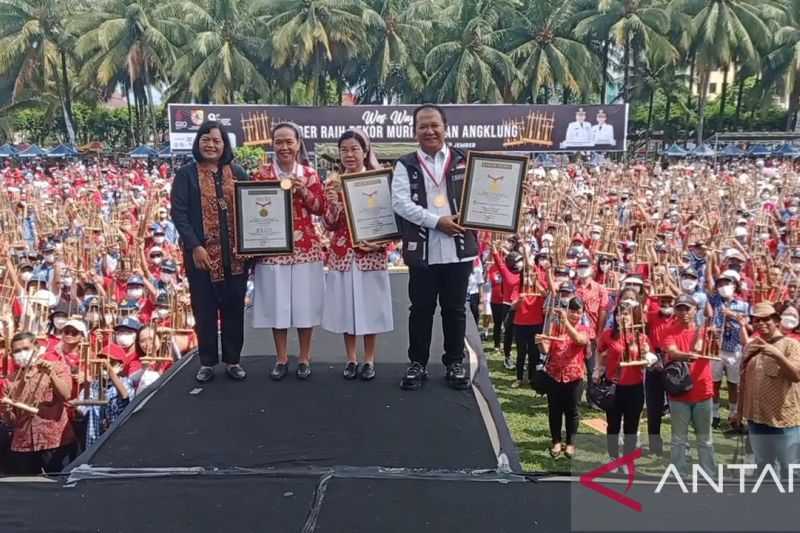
{"x":428,"y":170}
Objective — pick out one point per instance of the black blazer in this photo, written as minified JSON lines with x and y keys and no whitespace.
{"x":186,"y":211}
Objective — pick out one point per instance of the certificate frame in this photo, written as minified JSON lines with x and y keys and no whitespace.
{"x":348,"y":183}
{"x":240,"y":216}
{"x":471,"y":220}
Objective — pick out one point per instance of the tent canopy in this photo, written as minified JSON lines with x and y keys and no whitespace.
{"x":759,"y":150}
{"x":732,"y":150}
{"x":62,"y":150}
{"x":7,"y":150}
{"x":675,"y":151}
{"x":703,"y":151}
{"x":143,"y":152}
{"x":787,"y":150}
{"x":32,"y":151}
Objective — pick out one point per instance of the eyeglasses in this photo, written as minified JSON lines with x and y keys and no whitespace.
{"x":71,"y":332}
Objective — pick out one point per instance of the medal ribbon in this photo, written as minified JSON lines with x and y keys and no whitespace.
{"x":428,"y":170}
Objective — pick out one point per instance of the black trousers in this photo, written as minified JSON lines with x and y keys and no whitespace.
{"x":474,"y":306}
{"x":508,"y":331}
{"x":448,"y":284}
{"x":625,"y":415}
{"x":34,"y":463}
{"x":498,"y":316}
{"x":562,"y":405}
{"x":527,"y":350}
{"x":656,"y":400}
{"x":213,"y":301}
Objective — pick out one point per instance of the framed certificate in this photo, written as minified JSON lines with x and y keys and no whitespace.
{"x":368,"y":206}
{"x":491,"y":198}
{"x":263,"y":215}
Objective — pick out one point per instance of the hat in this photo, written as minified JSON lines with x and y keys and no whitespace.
{"x":135,"y":280}
{"x":129,"y":323}
{"x":567,"y":286}
{"x":763,"y":310}
{"x":697,"y":244}
{"x":791,"y":311}
{"x":170,"y":267}
{"x":632,"y":280}
{"x":561,"y":270}
{"x":731,"y":275}
{"x":78,"y":324}
{"x":584,"y":262}
{"x":162,"y":299}
{"x":690,"y":272}
{"x":127,"y":306}
{"x":733,"y":253}
{"x":91,"y":301}
{"x":686,"y":301}
{"x":48,"y":248}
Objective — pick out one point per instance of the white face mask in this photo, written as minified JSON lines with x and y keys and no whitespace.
{"x":59,"y":322}
{"x":605,"y":267}
{"x":667,"y":311}
{"x":50,"y":258}
{"x":135,"y":294}
{"x":763,"y":236}
{"x":564,"y":300}
{"x":156,"y":260}
{"x":190,"y":321}
{"x":584,"y":272}
{"x":629,"y":303}
{"x":595,"y":236}
{"x":636,"y":288}
{"x":93,"y":316}
{"x":162,"y":313}
{"x":544,"y":263}
{"x":789,"y":321}
{"x":126,"y":340}
{"x":67,"y":282}
{"x":26,"y":276}
{"x":726,"y":291}
{"x":23,"y":357}
{"x":688,"y":285}
{"x":159,"y":239}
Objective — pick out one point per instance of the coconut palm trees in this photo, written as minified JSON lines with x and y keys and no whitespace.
{"x":34,"y":51}
{"x":783,"y":61}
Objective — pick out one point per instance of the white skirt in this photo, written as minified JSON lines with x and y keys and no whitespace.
{"x":288,"y":296}
{"x":358,"y":302}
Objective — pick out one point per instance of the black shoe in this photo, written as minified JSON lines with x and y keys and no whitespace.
{"x":279,"y":371}
{"x":715,"y":422}
{"x":303,"y":371}
{"x":457,"y":376}
{"x":205,"y":374}
{"x":351,"y":371}
{"x":367,"y":372}
{"x":415,"y":376}
{"x":236,"y":372}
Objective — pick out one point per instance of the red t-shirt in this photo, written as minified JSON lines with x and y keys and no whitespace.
{"x":496,"y":279}
{"x":530,"y":311}
{"x":566,"y":360}
{"x":700,"y":369}
{"x":659,"y":328}
{"x":511,"y":280}
{"x":631,"y":375}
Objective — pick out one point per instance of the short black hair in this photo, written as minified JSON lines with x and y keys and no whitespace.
{"x":434,"y":107}
{"x":205,"y":127}
{"x":23,"y":336}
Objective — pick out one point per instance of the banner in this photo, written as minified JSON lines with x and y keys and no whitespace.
{"x":517,"y":127}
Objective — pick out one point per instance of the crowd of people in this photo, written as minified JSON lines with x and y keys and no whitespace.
{"x":645,"y":286}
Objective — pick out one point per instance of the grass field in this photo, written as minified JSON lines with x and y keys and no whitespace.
{"x":526,"y":415}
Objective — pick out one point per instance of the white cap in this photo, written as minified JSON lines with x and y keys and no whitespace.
{"x":731,"y":274}
{"x":80,"y":325}
{"x":740,"y":231}
{"x":632,"y":280}
{"x":733,"y":253}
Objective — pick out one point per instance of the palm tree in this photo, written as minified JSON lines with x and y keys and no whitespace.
{"x":34,"y":49}
{"x":128,"y":42}
{"x":469,"y":66}
{"x":226,"y":50}
{"x":633,"y":25}
{"x":783,"y":62}
{"x":545,"y":51}
{"x":724,"y":30}
{"x":397,"y":42}
{"x":310,"y":34}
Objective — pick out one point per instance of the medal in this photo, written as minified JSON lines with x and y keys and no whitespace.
{"x":286,"y":184}
{"x":440,"y":200}
{"x":263,"y":212}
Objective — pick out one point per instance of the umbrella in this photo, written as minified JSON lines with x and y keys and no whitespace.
{"x":703,"y":151}
{"x":787,"y":150}
{"x":7,"y":151}
{"x":731,"y":150}
{"x":759,"y":150}
{"x":675,"y":151}
{"x":32,"y":151}
{"x":62,"y":150}
{"x":143,"y":152}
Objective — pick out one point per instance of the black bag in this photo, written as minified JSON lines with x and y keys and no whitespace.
{"x":677,"y":379}
{"x":542,"y":382}
{"x":603,"y":394}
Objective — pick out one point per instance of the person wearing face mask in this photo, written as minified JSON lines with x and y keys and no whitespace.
{"x":48,"y":385}
{"x":770,"y":391}
{"x":730,"y":319}
{"x":138,"y":294}
{"x":528,"y":319}
{"x":125,"y":338}
{"x":166,"y":226}
{"x":595,"y":304}
{"x":690,"y":286}
{"x":790,"y":320}
{"x":148,"y":343}
{"x":154,"y":259}
{"x":168,"y":277}
{"x":595,"y":239}
{"x":510,"y":268}
{"x":119,"y":392}
{"x":47,"y":267}
{"x":660,"y":325}
{"x":58,"y":318}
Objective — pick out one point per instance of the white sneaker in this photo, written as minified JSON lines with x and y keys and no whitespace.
{"x":509,"y":364}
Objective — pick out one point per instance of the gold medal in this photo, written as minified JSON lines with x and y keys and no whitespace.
{"x":264,"y":212}
{"x":440,"y":200}
{"x":286,"y":184}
